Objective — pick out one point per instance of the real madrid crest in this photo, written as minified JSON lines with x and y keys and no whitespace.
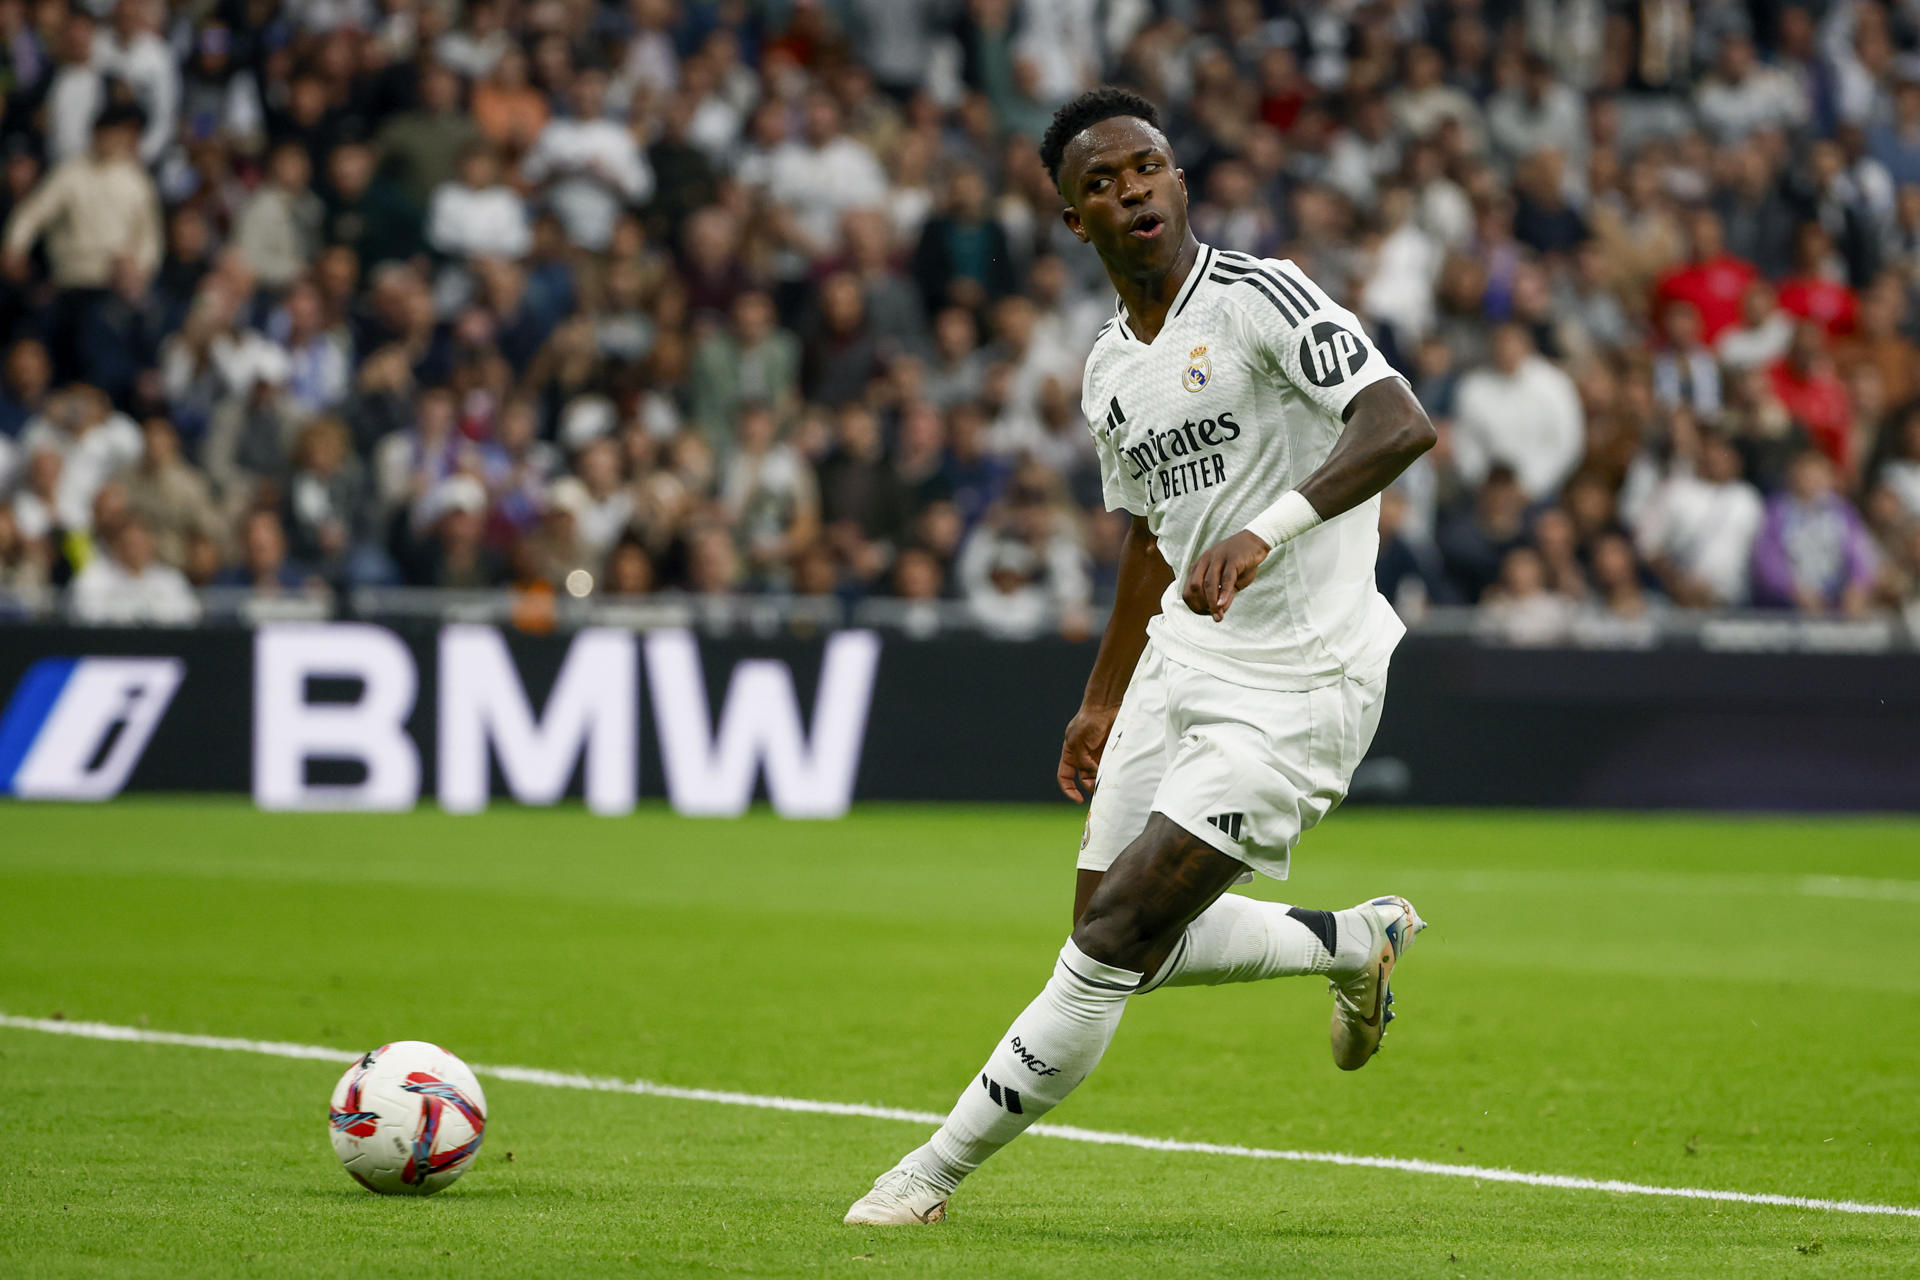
{"x":1199,"y":370}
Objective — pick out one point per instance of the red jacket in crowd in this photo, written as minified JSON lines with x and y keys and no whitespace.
{"x":1713,"y":286}
{"x":1827,"y":303}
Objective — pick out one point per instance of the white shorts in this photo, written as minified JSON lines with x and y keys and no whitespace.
{"x":1247,"y":770}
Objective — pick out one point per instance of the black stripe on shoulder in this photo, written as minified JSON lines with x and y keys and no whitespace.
{"x":1315,"y":296}
{"x":1294,"y":289}
{"x":1286,"y":310}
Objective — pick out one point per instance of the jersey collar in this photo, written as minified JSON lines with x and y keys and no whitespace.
{"x":1187,"y":290}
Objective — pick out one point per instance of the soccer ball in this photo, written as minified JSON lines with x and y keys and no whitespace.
{"x":407,"y":1119}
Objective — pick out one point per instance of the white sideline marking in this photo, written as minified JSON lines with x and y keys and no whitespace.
{"x":607,"y":1084}
{"x":1858,"y":887}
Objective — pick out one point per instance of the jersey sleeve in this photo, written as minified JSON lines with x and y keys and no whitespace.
{"x":1096,"y":414}
{"x":1117,"y":498}
{"x":1307,"y":338}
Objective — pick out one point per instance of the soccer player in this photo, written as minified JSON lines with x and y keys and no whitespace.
{"x":1247,"y":423}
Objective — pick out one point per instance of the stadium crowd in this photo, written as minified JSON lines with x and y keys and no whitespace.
{"x":715,"y":296}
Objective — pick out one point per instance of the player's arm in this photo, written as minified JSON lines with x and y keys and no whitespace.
{"x":1144,"y":577}
{"x":1386,"y":430}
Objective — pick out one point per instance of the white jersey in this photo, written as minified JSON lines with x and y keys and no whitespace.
{"x":1238,"y":400}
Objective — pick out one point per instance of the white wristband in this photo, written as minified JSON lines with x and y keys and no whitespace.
{"x":1288,"y":518}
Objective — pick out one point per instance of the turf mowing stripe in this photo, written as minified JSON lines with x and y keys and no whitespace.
{"x":767,"y":1102}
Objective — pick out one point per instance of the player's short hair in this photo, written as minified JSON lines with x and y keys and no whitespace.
{"x":1085,"y":111}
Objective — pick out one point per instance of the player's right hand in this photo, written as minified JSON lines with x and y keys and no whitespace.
{"x":1080,"y":752}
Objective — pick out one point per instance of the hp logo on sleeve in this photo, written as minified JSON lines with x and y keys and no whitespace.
{"x":1330,"y":353}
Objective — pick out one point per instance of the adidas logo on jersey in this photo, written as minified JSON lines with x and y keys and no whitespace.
{"x":1229,"y":823}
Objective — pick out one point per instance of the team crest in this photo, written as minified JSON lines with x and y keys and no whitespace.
{"x":1199,"y":370}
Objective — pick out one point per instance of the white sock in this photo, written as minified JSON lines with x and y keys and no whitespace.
{"x":1241,"y":939}
{"x":1051,"y":1047}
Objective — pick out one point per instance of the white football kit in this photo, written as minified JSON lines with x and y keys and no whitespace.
{"x":1246,"y":731}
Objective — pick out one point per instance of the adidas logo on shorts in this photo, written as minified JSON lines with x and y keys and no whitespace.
{"x":1227,"y":822}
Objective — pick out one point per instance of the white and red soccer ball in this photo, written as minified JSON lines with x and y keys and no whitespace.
{"x":407,"y":1119}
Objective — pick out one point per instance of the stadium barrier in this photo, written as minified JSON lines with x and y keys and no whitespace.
{"x":357,"y":715}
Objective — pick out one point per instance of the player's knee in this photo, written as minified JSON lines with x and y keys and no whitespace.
{"x":1119,"y":933}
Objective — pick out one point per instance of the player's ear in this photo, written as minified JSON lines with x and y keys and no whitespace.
{"x":1180,"y":176}
{"x":1071,"y":216}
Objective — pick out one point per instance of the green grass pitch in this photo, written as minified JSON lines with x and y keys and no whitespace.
{"x":1694,"y":1002}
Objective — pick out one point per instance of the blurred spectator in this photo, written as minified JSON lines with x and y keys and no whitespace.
{"x":556,"y":551}
{"x":130,"y":50}
{"x":1424,"y":100}
{"x":477,"y":216}
{"x":589,"y":166}
{"x":892,"y":301}
{"x":217,"y":94}
{"x":1817,"y":290}
{"x":369,"y":212}
{"x":767,"y":493}
{"x":1807,"y":385}
{"x":861,"y":499}
{"x":94,"y":444}
{"x":264,"y":568}
{"x":1021,"y":570}
{"x":605,"y":504}
{"x":1538,"y":113}
{"x":24,"y":380}
{"x":23,"y":560}
{"x":1409,"y":573}
{"x":753,"y":360}
{"x":1685,"y":372}
{"x":455,"y":553}
{"x":1900,"y":474}
{"x":814,"y":179}
{"x":1523,"y":413}
{"x":319,"y":359}
{"x":1742,"y":95}
{"x":1761,"y":335}
{"x":1879,"y":343}
{"x":963,"y":257}
{"x":279,"y":228}
{"x":1618,"y":593}
{"x":1895,"y":142}
{"x":1519,"y":607}
{"x":250,"y":435}
{"x":629,"y":569}
{"x":1474,"y":543}
{"x":170,"y":496}
{"x":422,"y":147}
{"x":1813,"y":553}
{"x":1699,"y":527}
{"x":1757,"y":217}
{"x":326,"y":505}
{"x":507,"y":108}
{"x":843,"y":352}
{"x":100,"y":214}
{"x":1543,"y":219}
{"x":77,"y":92}
{"x":126,"y":586}
{"x":1712,"y":279}
{"x":958,"y":368}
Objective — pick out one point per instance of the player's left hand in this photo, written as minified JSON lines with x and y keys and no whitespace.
{"x":1223,"y":570}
